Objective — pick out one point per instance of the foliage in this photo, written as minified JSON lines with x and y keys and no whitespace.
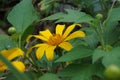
{"x":91,"y":55}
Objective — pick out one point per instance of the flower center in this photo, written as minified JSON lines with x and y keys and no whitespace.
{"x":54,"y":40}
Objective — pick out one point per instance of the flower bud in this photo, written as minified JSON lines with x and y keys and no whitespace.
{"x":11,"y":30}
{"x":99,"y":16}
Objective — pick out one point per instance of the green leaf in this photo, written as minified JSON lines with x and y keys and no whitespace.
{"x":81,"y":71}
{"x":10,"y":77}
{"x":6,"y":42}
{"x":49,"y":76}
{"x":71,"y":16}
{"x":92,"y":38}
{"x":77,"y":52}
{"x":29,"y":30}
{"x":114,"y":15}
{"x":112,"y":57}
{"x":112,"y":31}
{"x":22,"y":15}
{"x":17,"y":74}
{"x":98,"y":53}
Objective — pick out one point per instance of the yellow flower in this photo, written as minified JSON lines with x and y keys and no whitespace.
{"x":60,"y":38}
{"x":10,"y":55}
{"x":19,"y":66}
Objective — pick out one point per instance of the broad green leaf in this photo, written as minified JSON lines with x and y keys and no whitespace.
{"x":22,"y":15}
{"x":98,"y":54}
{"x":112,"y":31}
{"x":17,"y":74}
{"x":112,"y":57}
{"x":92,"y":38}
{"x":71,"y":16}
{"x":55,"y":16}
{"x":49,"y":76}
{"x":114,"y":15}
{"x":77,"y":52}
{"x":6,"y":42}
{"x":81,"y":71}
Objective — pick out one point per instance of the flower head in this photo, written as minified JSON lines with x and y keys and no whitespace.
{"x":10,"y":55}
{"x":51,"y":41}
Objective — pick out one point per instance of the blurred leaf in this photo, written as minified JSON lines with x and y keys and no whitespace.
{"x":71,"y":16}
{"x":112,"y":57}
{"x":77,"y":52}
{"x":98,"y":53}
{"x":17,"y":74}
{"x":81,"y":71}
{"x":22,"y":15}
{"x":49,"y":76}
{"x":6,"y":42}
{"x":10,"y":77}
{"x":31,"y":75}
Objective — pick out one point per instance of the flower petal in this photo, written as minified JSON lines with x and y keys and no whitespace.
{"x":12,"y":53}
{"x":50,"y":52}
{"x":30,"y":49}
{"x":75,"y":35}
{"x":68,"y":30}
{"x":36,"y":36}
{"x":59,"y":29}
{"x":66,"y":45}
{"x":40,"y":51}
{"x":45,"y":33}
{"x":19,"y":65}
{"x":2,"y":67}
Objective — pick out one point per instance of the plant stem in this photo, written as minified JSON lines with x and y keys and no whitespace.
{"x":19,"y":44}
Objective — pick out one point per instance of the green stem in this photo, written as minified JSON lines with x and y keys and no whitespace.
{"x":19,"y":43}
{"x":100,"y":34}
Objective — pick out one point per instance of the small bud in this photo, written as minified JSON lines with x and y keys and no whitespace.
{"x":11,"y":30}
{"x":99,"y":16}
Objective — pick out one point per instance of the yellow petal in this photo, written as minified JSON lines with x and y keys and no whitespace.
{"x":40,"y":51}
{"x":28,"y":38}
{"x":75,"y":35}
{"x":46,"y":33}
{"x":68,"y":30}
{"x":59,"y":29}
{"x":66,"y":45}
{"x":40,"y":37}
{"x":50,"y":52}
{"x":12,"y":53}
{"x":31,"y":48}
{"x":36,"y":36}
{"x":19,"y":65}
{"x":2,"y":67}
